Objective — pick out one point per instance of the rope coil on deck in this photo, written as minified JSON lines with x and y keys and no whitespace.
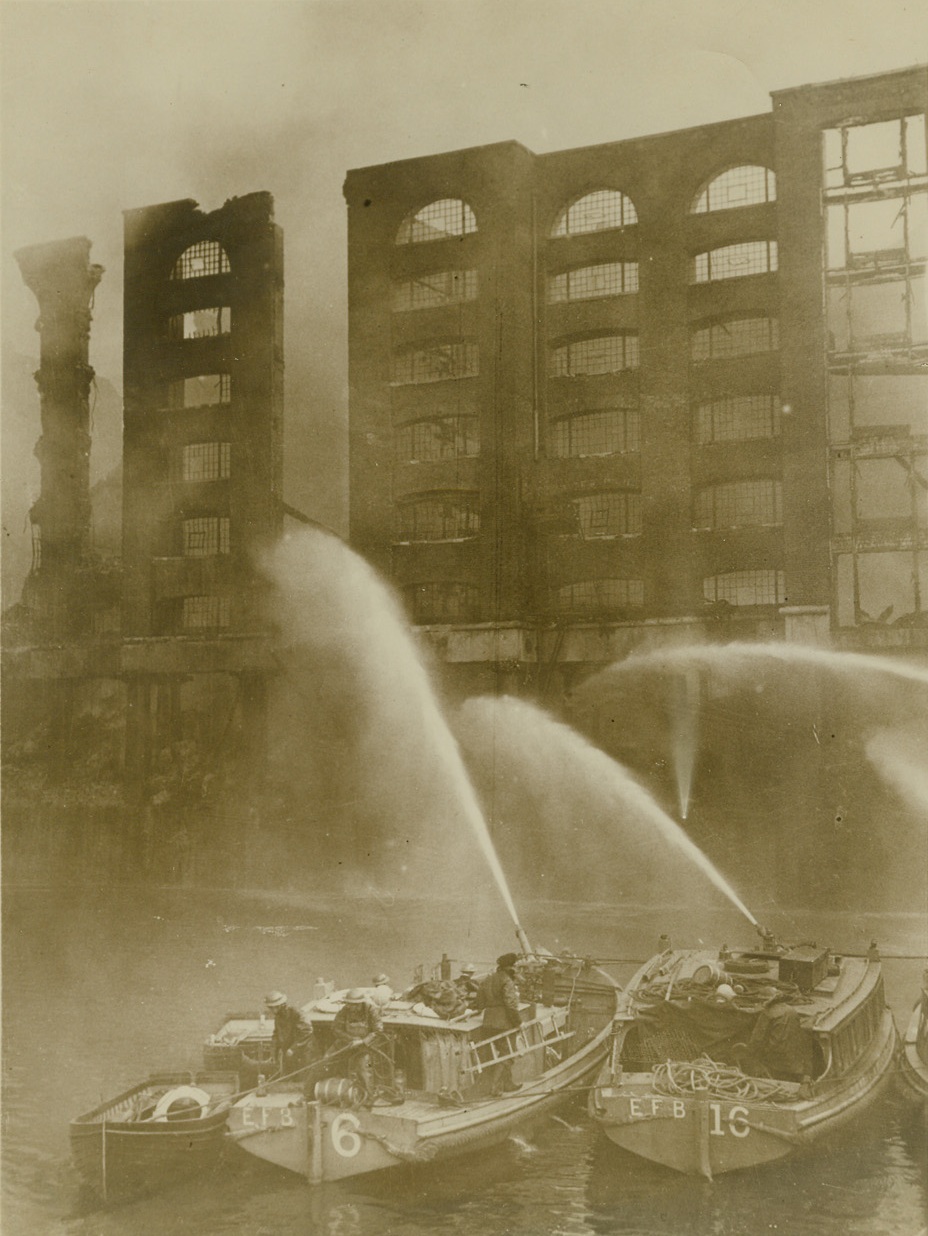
{"x":682,"y":1078}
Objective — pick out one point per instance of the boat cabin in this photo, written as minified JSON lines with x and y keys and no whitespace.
{"x":798,"y":1014}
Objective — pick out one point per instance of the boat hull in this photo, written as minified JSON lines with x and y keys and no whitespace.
{"x":708,"y":1136}
{"x":120,"y":1158}
{"x":912,"y":1070}
{"x":325,"y":1142}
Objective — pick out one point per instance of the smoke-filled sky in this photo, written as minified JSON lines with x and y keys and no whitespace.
{"x":108,"y":106}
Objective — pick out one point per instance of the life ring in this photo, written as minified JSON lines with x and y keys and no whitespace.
{"x":181,"y":1092}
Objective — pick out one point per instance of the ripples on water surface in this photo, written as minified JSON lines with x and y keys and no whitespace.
{"x":102,"y":987}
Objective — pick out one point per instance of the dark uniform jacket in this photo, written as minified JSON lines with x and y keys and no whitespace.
{"x":291,"y":1030}
{"x":498,"y":996}
{"x":356,"y":1021}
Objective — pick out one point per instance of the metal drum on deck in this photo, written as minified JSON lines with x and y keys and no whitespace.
{"x":338,"y":1092}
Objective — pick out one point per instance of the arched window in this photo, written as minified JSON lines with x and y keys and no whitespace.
{"x":609,"y":513}
{"x":601,"y":211}
{"x":439,"y":517}
{"x":594,"y":354}
{"x":206,"y":257}
{"x":441,"y":601}
{"x":592,"y":282}
{"x":438,"y":287}
{"x":734,"y":337}
{"x":739,"y":186}
{"x":603,"y":431}
{"x":754,"y":257}
{"x":737,"y":418}
{"x":436,"y":362}
{"x":739,"y":504}
{"x":447,"y":217}
{"x":746,"y":588}
{"x":438,"y":437}
{"x":595,"y":597}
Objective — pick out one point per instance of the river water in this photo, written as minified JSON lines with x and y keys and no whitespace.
{"x":103,"y":985}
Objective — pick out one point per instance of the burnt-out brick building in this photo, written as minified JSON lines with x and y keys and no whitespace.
{"x":676,"y":381}
{"x":203,"y":428}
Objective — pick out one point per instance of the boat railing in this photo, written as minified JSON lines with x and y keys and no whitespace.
{"x":513,"y":1044}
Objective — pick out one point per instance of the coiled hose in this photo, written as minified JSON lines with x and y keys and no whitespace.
{"x":682,"y":1078}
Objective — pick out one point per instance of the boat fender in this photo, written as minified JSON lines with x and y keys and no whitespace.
{"x":188,"y":1095}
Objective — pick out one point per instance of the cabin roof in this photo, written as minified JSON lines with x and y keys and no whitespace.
{"x":396,"y":1013}
{"x":823,"y":1008}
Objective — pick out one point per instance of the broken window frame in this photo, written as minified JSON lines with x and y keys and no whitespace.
{"x":451,"y":515}
{"x":748,"y":587}
{"x":438,"y":361}
{"x":425,"y":291}
{"x":201,"y":260}
{"x":722,"y":338}
{"x":431,"y":439}
{"x":606,"y":353}
{"x":206,"y":536}
{"x":591,"y":598}
{"x":445,"y":218}
{"x":440,"y":601}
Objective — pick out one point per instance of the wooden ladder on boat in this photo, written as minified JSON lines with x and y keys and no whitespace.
{"x":494,"y":1044}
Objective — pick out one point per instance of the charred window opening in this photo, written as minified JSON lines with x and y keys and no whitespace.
{"x":437,"y":288}
{"x":439,"y":517}
{"x":763,"y":587}
{"x":203,"y":391}
{"x":438,"y":437}
{"x":201,"y":323}
{"x":735,"y":337}
{"x":206,"y":257}
{"x":599,"y":597}
{"x":594,"y":355}
{"x":441,"y":601}
{"x":445,"y":218}
{"x":206,"y":536}
{"x":436,"y":362}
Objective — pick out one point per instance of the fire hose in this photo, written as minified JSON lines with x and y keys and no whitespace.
{"x":681,"y":1078}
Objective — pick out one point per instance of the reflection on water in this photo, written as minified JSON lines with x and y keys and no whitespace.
{"x":101,"y":988}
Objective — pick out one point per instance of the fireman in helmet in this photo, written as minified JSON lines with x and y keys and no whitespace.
{"x":293,"y":1035}
{"x":357,"y":1026}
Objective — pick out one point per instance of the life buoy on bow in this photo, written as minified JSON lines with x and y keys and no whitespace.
{"x":181,"y":1103}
